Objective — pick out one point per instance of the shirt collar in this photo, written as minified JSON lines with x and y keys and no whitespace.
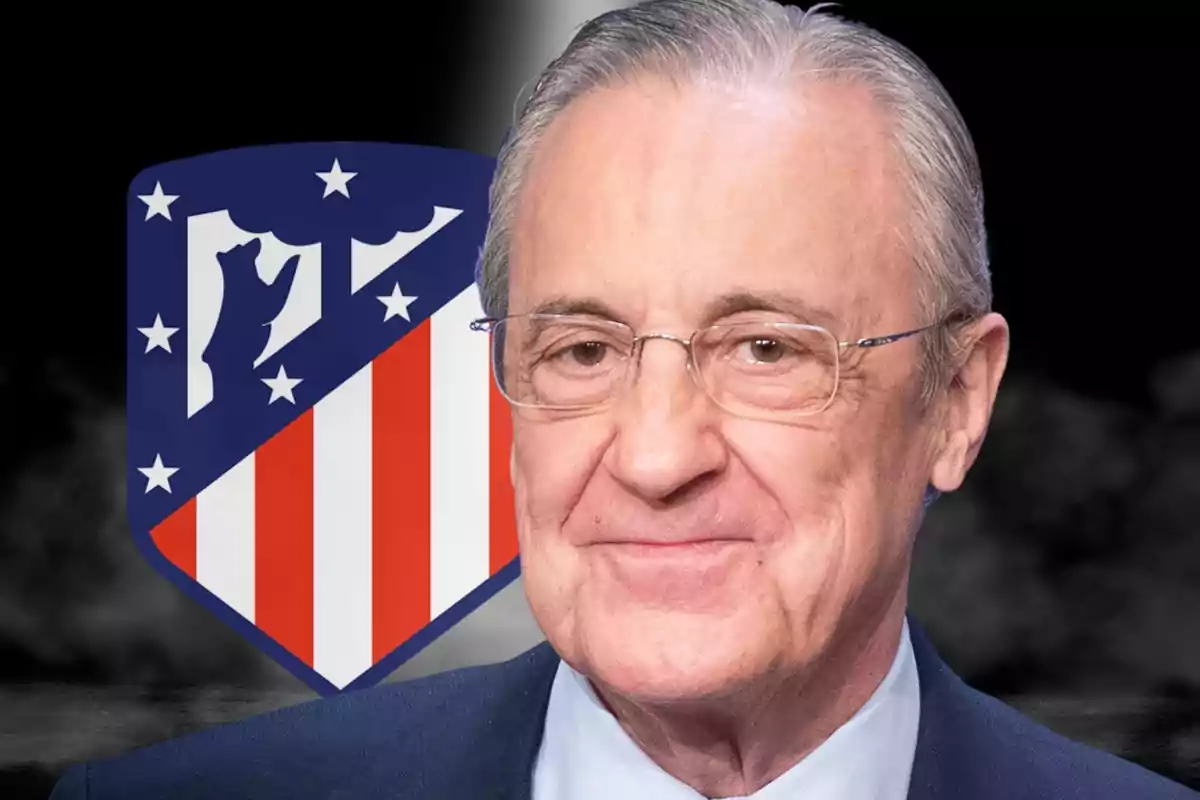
{"x":586,"y":755}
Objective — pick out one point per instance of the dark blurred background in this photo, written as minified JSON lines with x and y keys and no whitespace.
{"x":1064,"y":577}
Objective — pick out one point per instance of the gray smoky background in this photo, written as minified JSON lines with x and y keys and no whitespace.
{"x":1064,"y":577}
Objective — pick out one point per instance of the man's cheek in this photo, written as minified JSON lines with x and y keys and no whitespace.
{"x":552,"y":464}
{"x":802,"y":468}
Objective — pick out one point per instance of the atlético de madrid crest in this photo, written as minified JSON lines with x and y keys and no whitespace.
{"x":317,"y":451}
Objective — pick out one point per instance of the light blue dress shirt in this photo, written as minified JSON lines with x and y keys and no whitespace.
{"x":586,"y":754}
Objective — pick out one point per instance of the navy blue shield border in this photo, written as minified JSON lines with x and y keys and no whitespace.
{"x":275,"y":188}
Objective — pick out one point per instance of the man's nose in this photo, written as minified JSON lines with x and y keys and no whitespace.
{"x":667,"y":438}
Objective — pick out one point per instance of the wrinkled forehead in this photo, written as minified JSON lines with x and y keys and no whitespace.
{"x":655,"y":199}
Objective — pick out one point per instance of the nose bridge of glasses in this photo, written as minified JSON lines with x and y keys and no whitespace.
{"x":635,"y":368}
{"x":639,"y":346}
{"x":640,"y":341}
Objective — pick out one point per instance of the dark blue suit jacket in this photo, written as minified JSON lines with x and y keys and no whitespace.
{"x":474,"y":733}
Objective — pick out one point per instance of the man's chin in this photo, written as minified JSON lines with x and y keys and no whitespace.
{"x":670,"y":657}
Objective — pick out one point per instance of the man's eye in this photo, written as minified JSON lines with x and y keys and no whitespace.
{"x":585,"y":354}
{"x":761,"y":350}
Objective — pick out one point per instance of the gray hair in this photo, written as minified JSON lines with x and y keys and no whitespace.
{"x":738,"y":40}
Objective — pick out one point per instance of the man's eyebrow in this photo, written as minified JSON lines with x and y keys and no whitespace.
{"x":775,"y":302}
{"x":587,"y":306}
{"x":720,"y":307}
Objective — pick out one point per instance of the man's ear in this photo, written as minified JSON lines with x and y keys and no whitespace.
{"x":969,"y":399}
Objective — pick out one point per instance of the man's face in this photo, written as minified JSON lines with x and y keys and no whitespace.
{"x":658,"y":203}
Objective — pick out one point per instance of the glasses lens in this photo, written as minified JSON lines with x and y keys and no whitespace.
{"x":551,"y":361}
{"x":768,"y":368}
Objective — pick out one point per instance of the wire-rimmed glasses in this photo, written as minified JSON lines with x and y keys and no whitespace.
{"x":761,"y":370}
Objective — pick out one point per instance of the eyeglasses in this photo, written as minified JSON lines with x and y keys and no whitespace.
{"x":760,"y":370}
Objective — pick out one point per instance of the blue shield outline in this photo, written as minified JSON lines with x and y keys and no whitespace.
{"x":262,"y":187}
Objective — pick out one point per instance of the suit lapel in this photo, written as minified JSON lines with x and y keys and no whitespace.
{"x":483,"y":729}
{"x":946,"y":760}
{"x":507,"y":764}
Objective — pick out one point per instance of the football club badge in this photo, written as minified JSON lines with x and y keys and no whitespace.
{"x":316,"y":450}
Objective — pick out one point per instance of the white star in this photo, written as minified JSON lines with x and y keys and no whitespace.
{"x":158,"y":203}
{"x":281,"y":386}
{"x":336,"y":180}
{"x":397,"y":304}
{"x":158,"y":475}
{"x":158,"y":335}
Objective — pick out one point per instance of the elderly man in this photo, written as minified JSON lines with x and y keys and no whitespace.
{"x":739,"y":297}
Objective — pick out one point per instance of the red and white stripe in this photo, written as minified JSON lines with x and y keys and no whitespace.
{"x":370,"y":514}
